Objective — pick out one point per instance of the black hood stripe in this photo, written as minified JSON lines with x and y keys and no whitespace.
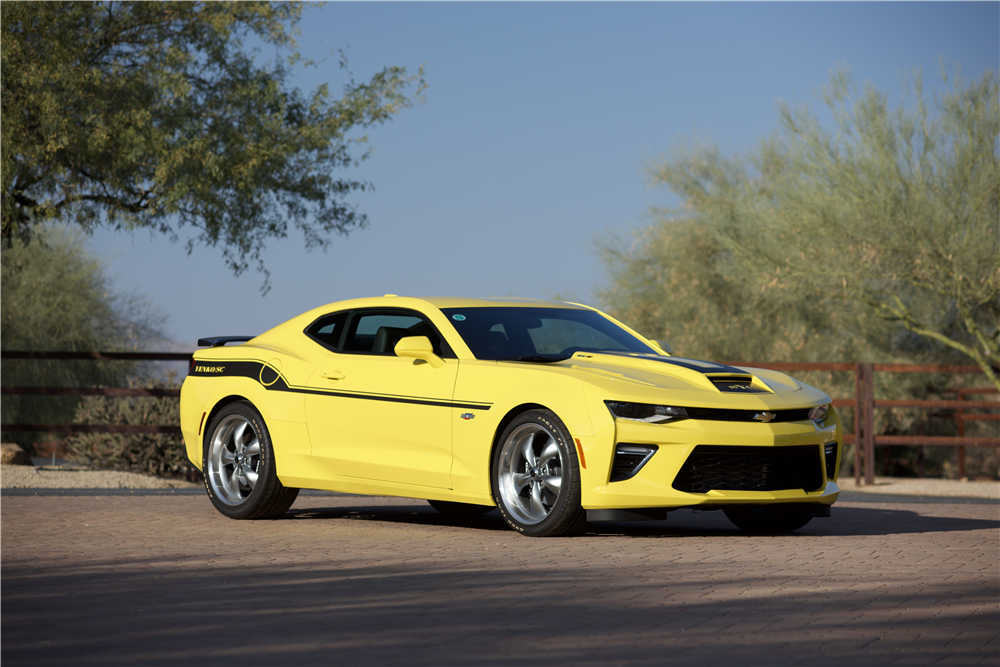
{"x":704,"y":367}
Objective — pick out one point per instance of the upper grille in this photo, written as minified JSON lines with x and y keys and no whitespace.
{"x":725,"y":415}
{"x":723,"y":468}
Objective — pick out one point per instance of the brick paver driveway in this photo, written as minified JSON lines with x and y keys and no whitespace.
{"x":353,"y":580}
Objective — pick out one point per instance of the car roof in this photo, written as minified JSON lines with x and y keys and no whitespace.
{"x":399,"y":301}
{"x":419,"y":302}
{"x":493,"y":301}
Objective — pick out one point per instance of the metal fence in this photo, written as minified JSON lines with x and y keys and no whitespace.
{"x":864,"y":403}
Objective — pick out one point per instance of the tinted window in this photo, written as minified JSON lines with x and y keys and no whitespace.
{"x":378,"y":331}
{"x":556,"y":333}
{"x":328,"y":329}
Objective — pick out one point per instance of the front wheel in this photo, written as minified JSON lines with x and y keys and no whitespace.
{"x":768,"y":519}
{"x":240,"y":474}
{"x":536,"y":478}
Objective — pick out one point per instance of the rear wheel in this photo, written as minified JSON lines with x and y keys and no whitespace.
{"x":536,"y":477}
{"x":768,"y":519}
{"x":240,"y":475}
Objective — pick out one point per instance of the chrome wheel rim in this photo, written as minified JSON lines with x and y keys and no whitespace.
{"x":530,"y":473}
{"x":233,"y":460}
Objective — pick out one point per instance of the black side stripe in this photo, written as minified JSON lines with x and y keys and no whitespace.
{"x":272,"y":380}
{"x":390,"y":399}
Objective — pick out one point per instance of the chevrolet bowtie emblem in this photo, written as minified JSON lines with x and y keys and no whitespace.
{"x":764,"y":416}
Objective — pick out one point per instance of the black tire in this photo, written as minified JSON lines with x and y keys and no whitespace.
{"x":536,"y":476}
{"x":768,"y":519}
{"x":238,"y":462}
{"x":460,"y":510}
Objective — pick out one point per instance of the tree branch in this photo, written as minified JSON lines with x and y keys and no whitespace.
{"x":902,"y":314}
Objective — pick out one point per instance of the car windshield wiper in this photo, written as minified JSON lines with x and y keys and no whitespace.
{"x":548,"y":359}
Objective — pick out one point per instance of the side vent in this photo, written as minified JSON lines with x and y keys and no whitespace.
{"x":830,"y":454}
{"x":736,"y":385}
{"x":629,"y":460}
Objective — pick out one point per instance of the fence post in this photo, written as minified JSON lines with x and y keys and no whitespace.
{"x":961,"y":433}
{"x":859,"y":414}
{"x":869,"y":372}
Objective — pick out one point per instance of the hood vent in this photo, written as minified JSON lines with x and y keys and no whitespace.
{"x":737,"y":385}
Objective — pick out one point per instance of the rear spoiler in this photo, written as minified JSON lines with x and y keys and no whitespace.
{"x":219,"y":341}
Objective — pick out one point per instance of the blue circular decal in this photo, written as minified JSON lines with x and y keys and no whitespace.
{"x":458,"y":318}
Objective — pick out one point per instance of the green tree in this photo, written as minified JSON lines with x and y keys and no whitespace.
{"x":892,"y":212}
{"x":55,"y":297}
{"x":154,"y":115}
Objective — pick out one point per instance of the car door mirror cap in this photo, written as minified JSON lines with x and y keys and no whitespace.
{"x":418,"y":347}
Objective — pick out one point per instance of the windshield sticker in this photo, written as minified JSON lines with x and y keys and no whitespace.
{"x":458,"y":318}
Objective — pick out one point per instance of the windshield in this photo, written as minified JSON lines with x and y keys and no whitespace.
{"x":540,"y":334}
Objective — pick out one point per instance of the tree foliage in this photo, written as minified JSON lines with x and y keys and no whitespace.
{"x":155,"y":116}
{"x":55,"y":297}
{"x":875,"y":234}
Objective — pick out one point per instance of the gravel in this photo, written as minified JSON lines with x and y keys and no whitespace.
{"x":926,"y":487}
{"x":58,"y":477}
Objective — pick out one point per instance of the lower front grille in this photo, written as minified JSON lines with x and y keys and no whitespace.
{"x":722,"y":468}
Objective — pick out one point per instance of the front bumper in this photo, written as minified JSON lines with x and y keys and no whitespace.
{"x":658,"y":483}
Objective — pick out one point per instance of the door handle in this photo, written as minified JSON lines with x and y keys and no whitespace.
{"x":334,"y":375}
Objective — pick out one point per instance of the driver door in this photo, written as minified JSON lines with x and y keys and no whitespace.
{"x":376,"y":416}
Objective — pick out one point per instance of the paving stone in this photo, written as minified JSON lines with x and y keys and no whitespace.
{"x":165,"y":580}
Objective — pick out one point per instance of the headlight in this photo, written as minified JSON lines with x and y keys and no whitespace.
{"x":644,"y":412}
{"x":818,"y":414}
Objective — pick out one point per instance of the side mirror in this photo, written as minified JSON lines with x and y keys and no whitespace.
{"x":663,"y":346}
{"x":418,"y":347}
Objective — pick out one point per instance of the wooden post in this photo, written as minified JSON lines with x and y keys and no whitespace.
{"x":859,"y":415}
{"x":869,"y":372}
{"x":961,"y":433}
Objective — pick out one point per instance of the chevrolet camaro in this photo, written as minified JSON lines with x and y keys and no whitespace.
{"x":554,"y":413}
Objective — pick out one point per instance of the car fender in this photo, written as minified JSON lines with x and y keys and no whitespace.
{"x":509,"y":388}
{"x":221,"y":375}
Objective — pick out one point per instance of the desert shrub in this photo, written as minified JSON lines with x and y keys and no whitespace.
{"x":149,"y":453}
{"x":981,"y":462}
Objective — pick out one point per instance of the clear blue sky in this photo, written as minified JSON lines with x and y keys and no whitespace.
{"x":538,"y":120}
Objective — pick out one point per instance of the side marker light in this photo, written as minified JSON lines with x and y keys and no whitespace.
{"x":579,"y":450}
{"x":201,"y":423}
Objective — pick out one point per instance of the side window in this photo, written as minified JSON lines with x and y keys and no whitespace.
{"x":378,"y":331}
{"x":328,"y":329}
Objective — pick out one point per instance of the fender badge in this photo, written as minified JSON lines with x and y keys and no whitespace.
{"x":764,"y":416}
{"x":468,"y":415}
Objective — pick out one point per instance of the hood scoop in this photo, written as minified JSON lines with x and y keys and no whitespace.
{"x":738,"y":385}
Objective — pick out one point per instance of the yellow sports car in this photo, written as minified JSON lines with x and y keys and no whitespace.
{"x":553,"y":412}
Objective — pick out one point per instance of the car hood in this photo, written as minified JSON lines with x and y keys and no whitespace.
{"x":690,"y":381}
